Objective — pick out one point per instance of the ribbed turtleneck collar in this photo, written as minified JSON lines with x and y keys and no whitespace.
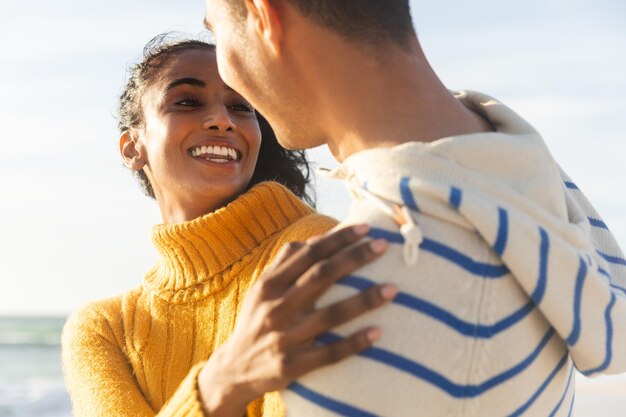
{"x":194,"y":253}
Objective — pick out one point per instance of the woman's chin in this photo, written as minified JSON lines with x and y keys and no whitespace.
{"x":222,"y":190}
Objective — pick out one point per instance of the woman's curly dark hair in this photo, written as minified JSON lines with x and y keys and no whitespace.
{"x":290,"y":168}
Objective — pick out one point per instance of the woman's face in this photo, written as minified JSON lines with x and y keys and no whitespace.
{"x":201,"y":139}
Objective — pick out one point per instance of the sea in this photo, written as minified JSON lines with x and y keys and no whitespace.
{"x":31,"y":380}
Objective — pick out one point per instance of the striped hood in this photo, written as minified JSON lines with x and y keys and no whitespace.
{"x":507,"y":187}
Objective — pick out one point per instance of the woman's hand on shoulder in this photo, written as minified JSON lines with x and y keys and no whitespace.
{"x":273,"y":343}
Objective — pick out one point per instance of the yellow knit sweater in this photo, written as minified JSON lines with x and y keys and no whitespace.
{"x":139,"y":354}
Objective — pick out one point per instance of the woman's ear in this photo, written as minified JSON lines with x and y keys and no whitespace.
{"x":132,"y":151}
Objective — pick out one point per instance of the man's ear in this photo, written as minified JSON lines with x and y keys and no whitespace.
{"x":266,"y":20}
{"x":133,"y":153}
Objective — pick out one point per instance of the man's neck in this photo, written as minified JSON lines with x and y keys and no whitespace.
{"x":383,"y":102}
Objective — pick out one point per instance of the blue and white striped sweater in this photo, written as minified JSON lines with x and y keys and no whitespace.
{"x":518,"y":281}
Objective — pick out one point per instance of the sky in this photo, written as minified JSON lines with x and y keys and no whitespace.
{"x":74,"y":225}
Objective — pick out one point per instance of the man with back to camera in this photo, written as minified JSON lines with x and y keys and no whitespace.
{"x":508,"y":278}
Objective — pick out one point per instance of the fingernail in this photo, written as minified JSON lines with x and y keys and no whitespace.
{"x":388,"y":291}
{"x":378,"y":245}
{"x":361,"y":229}
{"x":373,"y":335}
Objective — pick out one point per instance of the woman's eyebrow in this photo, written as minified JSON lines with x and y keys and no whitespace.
{"x":187,"y":80}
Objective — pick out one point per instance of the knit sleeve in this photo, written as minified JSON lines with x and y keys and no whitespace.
{"x":597,"y":337}
{"x":99,"y":377}
{"x":573,"y":271}
{"x":186,"y":401}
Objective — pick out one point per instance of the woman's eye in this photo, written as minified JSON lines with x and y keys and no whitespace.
{"x":188,"y":102}
{"x":243,"y":107}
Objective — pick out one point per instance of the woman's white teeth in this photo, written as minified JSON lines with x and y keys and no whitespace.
{"x":216,"y":151}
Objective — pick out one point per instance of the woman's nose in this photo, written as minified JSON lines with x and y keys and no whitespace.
{"x":218,"y":119}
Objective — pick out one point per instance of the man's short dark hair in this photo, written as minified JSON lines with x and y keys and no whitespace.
{"x":375,"y":22}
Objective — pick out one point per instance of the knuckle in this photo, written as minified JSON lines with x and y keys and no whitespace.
{"x":350,"y":236}
{"x":268,"y":277}
{"x":362,"y":253}
{"x":286,"y":251}
{"x":358,"y":343}
{"x":272,"y":318}
{"x":281,"y":341}
{"x":326,"y":320}
{"x":314,"y":250}
{"x":335,"y":353}
{"x":321,"y":270}
{"x":284,"y":365}
{"x":345,"y":237}
{"x":333,"y":315}
{"x":269,"y":322}
{"x":265,"y":280}
{"x":264,"y":287}
{"x":291,"y":247}
{"x":371,"y":298}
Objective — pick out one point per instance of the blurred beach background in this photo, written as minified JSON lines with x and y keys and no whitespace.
{"x":74,"y":226}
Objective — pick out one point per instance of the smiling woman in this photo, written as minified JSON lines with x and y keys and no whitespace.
{"x":175,"y":98}
{"x":179,"y":126}
{"x":230,"y":198}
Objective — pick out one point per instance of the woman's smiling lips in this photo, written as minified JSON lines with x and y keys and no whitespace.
{"x":216,"y":152}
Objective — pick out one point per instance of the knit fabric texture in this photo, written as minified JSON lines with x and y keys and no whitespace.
{"x":139,"y":354}
{"x":517,"y":282}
